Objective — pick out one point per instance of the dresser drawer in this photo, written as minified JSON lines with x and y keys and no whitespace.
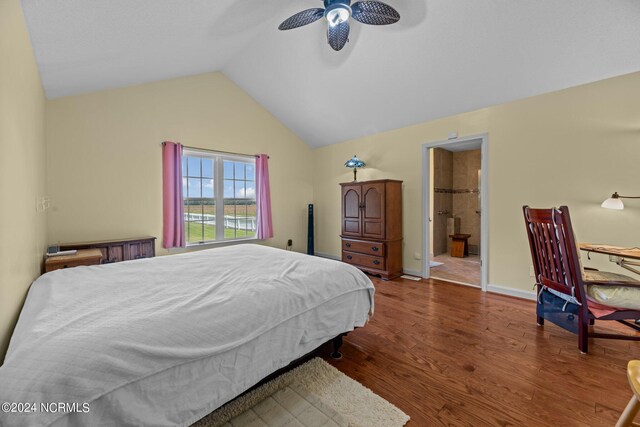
{"x":362,"y":260}
{"x":363,"y":247}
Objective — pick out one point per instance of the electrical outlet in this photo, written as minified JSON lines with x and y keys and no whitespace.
{"x":289,"y":242}
{"x":43,"y":203}
{"x":532,"y":272}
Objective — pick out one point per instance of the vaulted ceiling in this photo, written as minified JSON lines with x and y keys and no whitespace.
{"x":444,"y":56}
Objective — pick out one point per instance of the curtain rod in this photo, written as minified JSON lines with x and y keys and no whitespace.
{"x":219,"y":151}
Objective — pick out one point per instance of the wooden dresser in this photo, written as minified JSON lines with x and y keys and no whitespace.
{"x":372,"y":226}
{"x":82,"y":257}
{"x":118,"y":250}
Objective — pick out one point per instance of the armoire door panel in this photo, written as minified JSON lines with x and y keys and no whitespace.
{"x":373,"y":214}
{"x":352,"y":227}
{"x":351,"y":210}
{"x":372,"y":228}
{"x":352,"y":203}
{"x":373,"y":201}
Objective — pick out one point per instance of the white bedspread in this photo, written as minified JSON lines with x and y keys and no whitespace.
{"x":88,"y":332}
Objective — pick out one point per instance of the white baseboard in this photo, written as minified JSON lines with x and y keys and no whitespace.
{"x":496,"y":289}
{"x":518,"y":293}
{"x":323,"y":255}
{"x":412,"y":272}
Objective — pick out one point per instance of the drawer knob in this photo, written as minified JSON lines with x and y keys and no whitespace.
{"x":376,"y":262}
{"x":348,"y":245}
{"x":374,"y":248}
{"x":349,"y":257}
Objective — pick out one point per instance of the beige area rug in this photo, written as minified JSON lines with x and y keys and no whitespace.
{"x":313,"y":394}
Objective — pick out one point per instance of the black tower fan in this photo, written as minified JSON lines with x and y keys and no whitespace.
{"x":310,"y":249}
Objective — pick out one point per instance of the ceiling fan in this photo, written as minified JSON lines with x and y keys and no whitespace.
{"x":337,"y":13}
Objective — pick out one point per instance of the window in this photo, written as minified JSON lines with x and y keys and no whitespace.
{"x":219,"y":194}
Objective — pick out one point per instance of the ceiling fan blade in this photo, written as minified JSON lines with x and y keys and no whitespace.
{"x":374,"y":12}
{"x":338,"y":35}
{"x":302,"y":18}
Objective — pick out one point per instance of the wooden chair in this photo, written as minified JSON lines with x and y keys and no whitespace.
{"x":630,"y":412}
{"x":557,"y":267}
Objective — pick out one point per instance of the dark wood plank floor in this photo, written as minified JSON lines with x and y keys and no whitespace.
{"x":452,"y":355}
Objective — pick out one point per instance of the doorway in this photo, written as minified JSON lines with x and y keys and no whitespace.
{"x":455,"y":210}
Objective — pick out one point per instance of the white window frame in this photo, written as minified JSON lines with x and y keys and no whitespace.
{"x":218,"y":183}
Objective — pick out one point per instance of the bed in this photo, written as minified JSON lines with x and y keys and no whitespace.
{"x":164,"y":341}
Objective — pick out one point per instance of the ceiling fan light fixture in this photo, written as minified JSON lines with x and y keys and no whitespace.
{"x":337,"y":13}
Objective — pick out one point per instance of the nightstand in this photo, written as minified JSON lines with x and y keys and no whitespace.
{"x":82,"y":257}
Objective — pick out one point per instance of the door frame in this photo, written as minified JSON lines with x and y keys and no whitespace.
{"x":484,"y":203}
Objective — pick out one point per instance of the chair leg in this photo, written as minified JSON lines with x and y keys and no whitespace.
{"x":629,"y":413}
{"x":583,"y":335}
{"x":539,"y":309}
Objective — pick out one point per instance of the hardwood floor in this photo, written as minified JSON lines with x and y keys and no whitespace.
{"x":452,"y":355}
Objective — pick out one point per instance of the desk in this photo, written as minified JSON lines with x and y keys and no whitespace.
{"x":82,"y":257}
{"x":617,"y":254}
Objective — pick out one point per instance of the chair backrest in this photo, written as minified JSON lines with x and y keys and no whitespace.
{"x":554,"y":252}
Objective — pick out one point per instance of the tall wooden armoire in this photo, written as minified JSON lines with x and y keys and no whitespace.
{"x":372,"y":226}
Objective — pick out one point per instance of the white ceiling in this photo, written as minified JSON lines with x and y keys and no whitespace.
{"x":444,"y":56}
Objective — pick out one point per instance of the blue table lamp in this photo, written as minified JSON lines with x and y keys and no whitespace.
{"x":355,"y":163}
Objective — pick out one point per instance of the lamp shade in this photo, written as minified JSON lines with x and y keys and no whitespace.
{"x":355,"y":162}
{"x":613,"y":203}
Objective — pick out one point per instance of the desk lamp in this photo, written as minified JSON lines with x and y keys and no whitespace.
{"x":614,"y":201}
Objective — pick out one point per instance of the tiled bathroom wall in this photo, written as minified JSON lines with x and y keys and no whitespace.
{"x":457,"y":194}
{"x":466,"y":205}
{"x":442,"y":201}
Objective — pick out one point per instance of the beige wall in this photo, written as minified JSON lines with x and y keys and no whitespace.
{"x":104,"y":156}
{"x":571,"y":147}
{"x":22,"y":177}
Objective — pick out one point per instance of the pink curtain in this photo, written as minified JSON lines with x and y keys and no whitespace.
{"x":172,"y":203}
{"x":263,"y":198}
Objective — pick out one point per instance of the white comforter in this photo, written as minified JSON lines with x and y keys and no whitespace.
{"x":85,"y":333}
